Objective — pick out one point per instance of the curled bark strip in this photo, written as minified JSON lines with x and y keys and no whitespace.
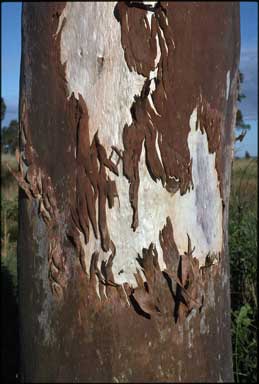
{"x":57,"y":290}
{"x":170,"y":252}
{"x":93,"y":265}
{"x":57,"y":272}
{"x":37,"y":184}
{"x":90,"y":200}
{"x":105,"y":279}
{"x":187,"y":292}
{"x":34,"y":180}
{"x":189,"y":287}
{"x":82,"y":213}
{"x":107,"y":271}
{"x":189,"y":279}
{"x":92,"y":182}
{"x":112,"y":192}
{"x":21,"y":181}
{"x":153,"y":162}
{"x":145,"y":296}
{"x":102,"y":156}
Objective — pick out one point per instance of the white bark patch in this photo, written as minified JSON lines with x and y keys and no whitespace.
{"x":127,"y":21}
{"x":153,"y":76}
{"x":199,"y":212}
{"x":149,"y":18}
{"x":158,"y":149}
{"x":163,"y":37}
{"x":227,"y":84}
{"x":151,"y":3}
{"x":108,"y":88}
{"x":100,"y":73}
{"x":152,"y":105}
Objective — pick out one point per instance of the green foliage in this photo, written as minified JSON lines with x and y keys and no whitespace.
{"x":240,"y":95}
{"x":10,"y":136}
{"x":240,"y":124}
{"x":3,"y":109}
{"x":8,"y":281}
{"x":9,"y":209}
{"x":243,"y":267}
{"x":245,"y":348}
{"x":9,"y":227}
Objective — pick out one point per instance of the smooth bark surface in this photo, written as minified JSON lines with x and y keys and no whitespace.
{"x":126,"y":135}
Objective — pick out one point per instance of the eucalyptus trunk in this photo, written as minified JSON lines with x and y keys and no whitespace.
{"x":127,"y":113}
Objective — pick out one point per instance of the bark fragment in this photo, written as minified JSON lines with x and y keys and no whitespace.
{"x":37,"y":185}
{"x":92,"y":184}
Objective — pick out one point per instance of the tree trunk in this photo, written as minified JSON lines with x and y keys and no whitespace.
{"x":126,"y":135}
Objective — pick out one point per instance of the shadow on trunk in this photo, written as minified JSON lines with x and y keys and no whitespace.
{"x":9,"y":329}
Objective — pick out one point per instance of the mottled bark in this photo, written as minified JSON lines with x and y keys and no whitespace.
{"x":126,"y":134}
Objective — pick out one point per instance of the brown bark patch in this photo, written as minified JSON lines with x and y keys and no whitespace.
{"x":183,"y":77}
{"x":93,"y":185}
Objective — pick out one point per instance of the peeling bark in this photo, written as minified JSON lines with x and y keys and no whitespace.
{"x":126,"y":118}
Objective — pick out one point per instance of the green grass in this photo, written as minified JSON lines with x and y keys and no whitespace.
{"x":244,"y":179}
{"x":243,"y":267}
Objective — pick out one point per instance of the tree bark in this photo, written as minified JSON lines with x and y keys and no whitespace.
{"x":126,"y":138}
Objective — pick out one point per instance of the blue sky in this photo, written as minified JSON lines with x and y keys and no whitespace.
{"x":11,"y":52}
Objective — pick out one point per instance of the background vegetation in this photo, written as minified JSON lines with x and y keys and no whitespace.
{"x":9,"y":309}
{"x":243,"y":221}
